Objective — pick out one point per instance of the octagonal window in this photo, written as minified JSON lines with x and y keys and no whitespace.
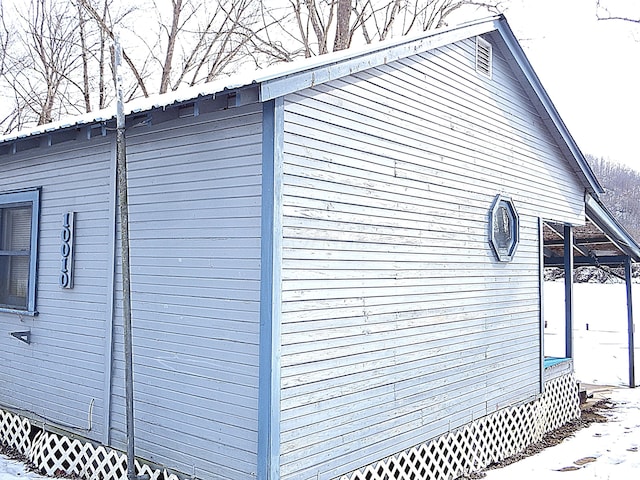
{"x":504,"y":228}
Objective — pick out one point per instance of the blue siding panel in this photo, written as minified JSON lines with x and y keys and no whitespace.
{"x":394,"y":310}
{"x":195,"y":212}
{"x":60,"y":376}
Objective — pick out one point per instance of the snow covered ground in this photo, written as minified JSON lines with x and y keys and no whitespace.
{"x":14,"y":470}
{"x":601,"y":356}
{"x":604,"y":450}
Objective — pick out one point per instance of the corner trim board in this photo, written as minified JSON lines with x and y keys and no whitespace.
{"x":270,"y":279}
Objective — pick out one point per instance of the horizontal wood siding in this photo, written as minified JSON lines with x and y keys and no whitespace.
{"x":195,"y":207}
{"x":59,"y":378}
{"x":398,"y":324}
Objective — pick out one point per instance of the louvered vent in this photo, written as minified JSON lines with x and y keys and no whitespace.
{"x":484,"y":60}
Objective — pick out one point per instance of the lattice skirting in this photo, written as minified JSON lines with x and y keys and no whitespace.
{"x":468,"y":449}
{"x":56,"y":454}
{"x":482,"y":442}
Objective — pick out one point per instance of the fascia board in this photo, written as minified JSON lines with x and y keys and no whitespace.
{"x":383,"y":53}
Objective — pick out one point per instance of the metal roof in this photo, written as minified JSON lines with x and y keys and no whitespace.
{"x":290,"y":77}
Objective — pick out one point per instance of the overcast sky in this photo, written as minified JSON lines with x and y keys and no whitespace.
{"x":590,"y":69}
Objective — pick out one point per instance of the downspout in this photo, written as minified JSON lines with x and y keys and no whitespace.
{"x":121,"y":160}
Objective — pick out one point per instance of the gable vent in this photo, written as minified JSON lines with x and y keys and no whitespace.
{"x":484,"y":60}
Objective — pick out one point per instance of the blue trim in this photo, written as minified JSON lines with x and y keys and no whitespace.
{"x":541,"y":299}
{"x":551,"y":361}
{"x":33,"y":197}
{"x":269,"y":373}
{"x":568,"y":291}
{"x":33,"y":261}
{"x":632,"y":360}
{"x":324,"y":68}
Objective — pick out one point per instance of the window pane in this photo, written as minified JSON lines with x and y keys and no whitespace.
{"x":18,"y":280}
{"x":502,"y":227}
{"x":18,"y":224}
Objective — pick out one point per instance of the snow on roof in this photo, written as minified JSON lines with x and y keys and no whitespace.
{"x":135,"y":106}
{"x":285,"y":78}
{"x":278,"y":72}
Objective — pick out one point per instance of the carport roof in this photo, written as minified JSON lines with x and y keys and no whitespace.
{"x":602,"y":240}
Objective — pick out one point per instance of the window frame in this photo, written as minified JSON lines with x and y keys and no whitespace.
{"x":504,"y":253}
{"x":7,"y":200}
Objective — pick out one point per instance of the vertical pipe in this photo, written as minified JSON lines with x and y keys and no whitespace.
{"x":121,"y":158}
{"x":110,"y":313}
{"x":627,"y":277}
{"x":541,"y":298}
{"x":568,"y":291}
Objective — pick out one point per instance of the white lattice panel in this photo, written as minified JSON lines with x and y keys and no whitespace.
{"x":470,"y":448}
{"x":15,"y":431}
{"x":55,"y":455}
{"x":482,"y":442}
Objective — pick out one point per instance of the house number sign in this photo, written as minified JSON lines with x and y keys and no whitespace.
{"x":66,"y":250}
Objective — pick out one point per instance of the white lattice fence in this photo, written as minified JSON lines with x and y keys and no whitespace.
{"x":15,"y":431}
{"x":55,"y":454}
{"x":470,"y":448}
{"x":482,"y":442}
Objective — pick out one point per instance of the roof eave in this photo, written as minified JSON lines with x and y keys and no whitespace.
{"x":603,"y":218}
{"x":379,"y":54}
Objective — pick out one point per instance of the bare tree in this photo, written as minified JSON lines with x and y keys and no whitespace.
{"x":4,"y":39}
{"x":343,"y":34}
{"x":56,"y":60}
{"x":214,"y":40}
{"x":193,"y":41}
{"x":42,"y":64}
{"x":101,"y":57}
{"x":331,"y":25}
{"x":84,"y":49}
{"x":172,"y":37}
{"x":604,"y":12}
{"x":108,"y":30}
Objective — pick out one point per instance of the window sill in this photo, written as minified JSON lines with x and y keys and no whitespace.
{"x":25,"y":313}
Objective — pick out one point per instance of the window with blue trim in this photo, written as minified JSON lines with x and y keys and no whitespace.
{"x":19,"y":212}
{"x":504,"y":228}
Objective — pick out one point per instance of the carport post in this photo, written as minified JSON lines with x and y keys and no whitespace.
{"x":568,"y":291}
{"x":627,"y":277}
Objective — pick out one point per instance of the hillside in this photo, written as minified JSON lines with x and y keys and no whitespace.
{"x":622,"y":198}
{"x":622,"y":192}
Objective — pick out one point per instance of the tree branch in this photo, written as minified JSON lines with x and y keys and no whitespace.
{"x":111,"y":35}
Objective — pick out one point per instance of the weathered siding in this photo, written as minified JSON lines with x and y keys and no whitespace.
{"x":195,"y":211}
{"x":194,"y":193}
{"x":60,"y":376}
{"x":397,"y":322}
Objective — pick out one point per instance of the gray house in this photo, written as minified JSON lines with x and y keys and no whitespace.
{"x":334,"y":268}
